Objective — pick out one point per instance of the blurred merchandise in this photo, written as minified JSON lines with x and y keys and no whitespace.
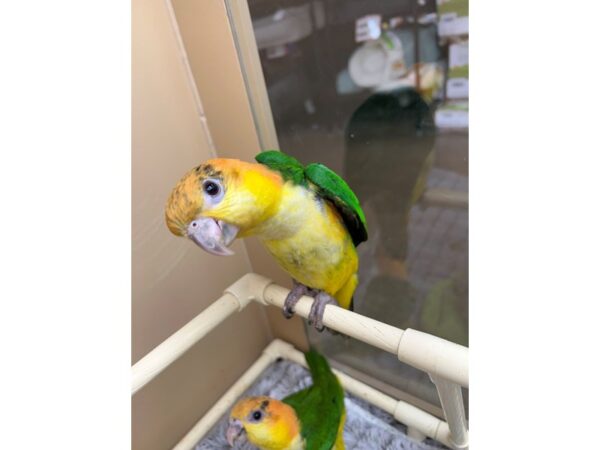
{"x":431,"y":77}
{"x":457,"y":88}
{"x":429,"y":50}
{"x":287,"y":25}
{"x":388,"y":63}
{"x":458,"y":60}
{"x":378,"y":61}
{"x":457,"y":85}
{"x":452,"y":115}
{"x":428,"y":19}
{"x":453,"y":17}
{"x":396,"y":21}
{"x":368,"y":28}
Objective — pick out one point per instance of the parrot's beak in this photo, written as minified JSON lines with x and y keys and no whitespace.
{"x":235,"y":432}
{"x":212,"y":235}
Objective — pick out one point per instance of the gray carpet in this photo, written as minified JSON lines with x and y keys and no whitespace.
{"x":367,"y":427}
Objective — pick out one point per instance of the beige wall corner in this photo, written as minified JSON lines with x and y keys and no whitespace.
{"x":169,"y":406}
{"x":172,"y":280}
{"x":211,"y":50}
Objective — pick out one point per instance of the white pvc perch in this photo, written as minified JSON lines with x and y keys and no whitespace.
{"x":147,"y":368}
{"x":446,"y":362}
{"x":452,"y":404}
{"x":429,"y":353}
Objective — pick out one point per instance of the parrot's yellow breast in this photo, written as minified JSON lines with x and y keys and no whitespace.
{"x":309,"y":240}
{"x":275,"y":437}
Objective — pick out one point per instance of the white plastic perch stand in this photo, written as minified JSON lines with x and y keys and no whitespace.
{"x":444,"y":361}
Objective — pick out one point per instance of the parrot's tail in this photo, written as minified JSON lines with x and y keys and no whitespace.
{"x":318,"y":366}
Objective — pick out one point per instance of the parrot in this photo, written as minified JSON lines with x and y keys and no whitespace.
{"x":308,"y":218}
{"x":310,"y":419}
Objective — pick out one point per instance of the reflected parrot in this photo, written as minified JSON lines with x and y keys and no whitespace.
{"x":311,"y":419}
{"x":308,"y":218}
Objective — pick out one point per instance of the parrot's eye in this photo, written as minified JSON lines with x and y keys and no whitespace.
{"x":211,"y":188}
{"x":257,"y":415}
{"x":213,"y":192}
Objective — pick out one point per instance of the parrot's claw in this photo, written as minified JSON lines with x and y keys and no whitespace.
{"x":315,"y":317}
{"x":322,"y":299}
{"x":294,"y":295}
{"x":288,"y":313}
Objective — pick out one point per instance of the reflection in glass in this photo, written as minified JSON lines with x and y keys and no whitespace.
{"x":358,"y":86}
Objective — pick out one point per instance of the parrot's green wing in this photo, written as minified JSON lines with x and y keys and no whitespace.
{"x":329,"y":185}
{"x":290,"y":168}
{"x":332,"y":187}
{"x":320,"y":407}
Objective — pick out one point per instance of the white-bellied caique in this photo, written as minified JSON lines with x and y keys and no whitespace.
{"x":310,"y":419}
{"x":307,"y":217}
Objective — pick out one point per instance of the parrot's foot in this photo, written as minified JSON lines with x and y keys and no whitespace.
{"x":315,"y":317}
{"x":292,"y":298}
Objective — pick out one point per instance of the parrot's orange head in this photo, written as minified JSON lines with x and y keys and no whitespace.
{"x":220,"y":200}
{"x":267,"y":423}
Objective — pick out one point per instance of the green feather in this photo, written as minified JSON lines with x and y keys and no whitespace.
{"x":289,"y":168}
{"x":332,"y":187}
{"x":319,"y":407}
{"x":327,"y":185}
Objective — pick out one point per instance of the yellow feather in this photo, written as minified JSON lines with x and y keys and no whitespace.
{"x":309,"y":240}
{"x":339,"y":441}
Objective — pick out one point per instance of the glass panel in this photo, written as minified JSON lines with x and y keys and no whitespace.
{"x":377,"y":91}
